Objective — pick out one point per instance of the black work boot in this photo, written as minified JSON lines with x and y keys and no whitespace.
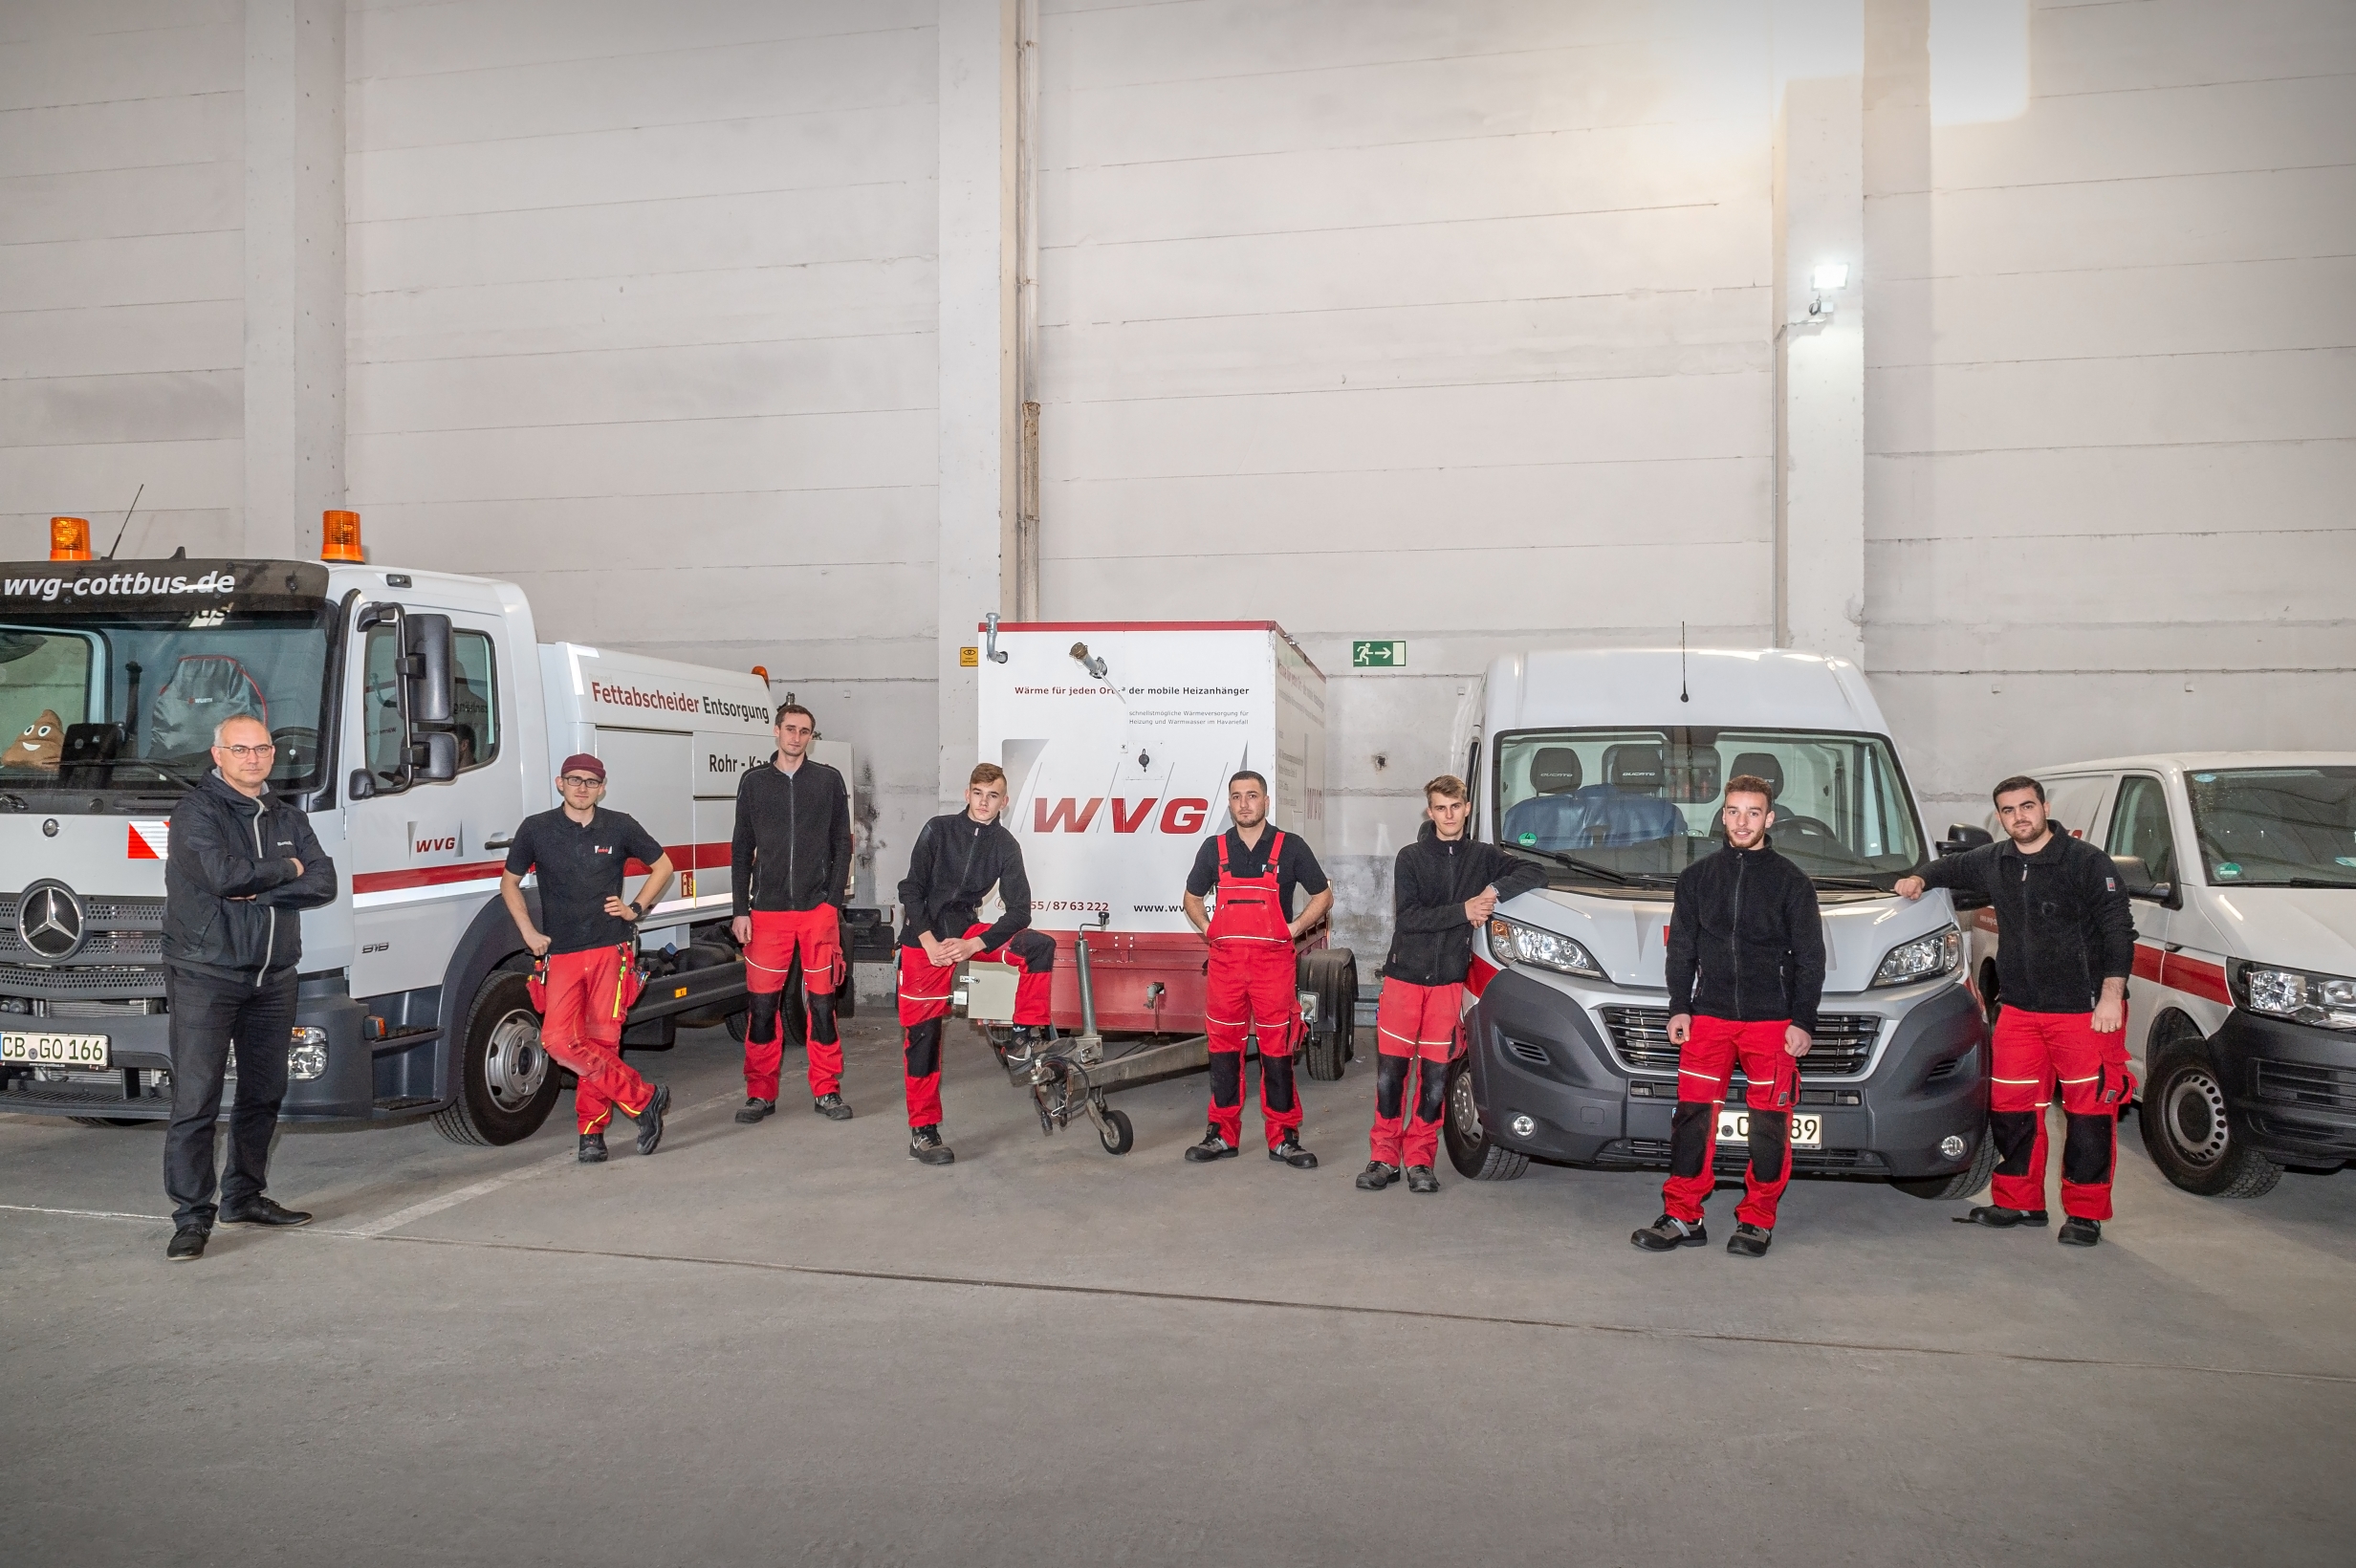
{"x":926,"y":1146}
{"x":755,"y":1108}
{"x":260,"y":1209}
{"x":830,"y":1105}
{"x":1750,"y":1241}
{"x":187,"y":1244}
{"x":1667,"y":1233}
{"x":1212,"y":1147}
{"x":650,"y":1120}
{"x":2080,"y":1233}
{"x":1377,"y":1176}
{"x":1287,"y":1151}
{"x":1420,"y":1179}
{"x":1997,"y":1217}
{"x":592,"y":1149}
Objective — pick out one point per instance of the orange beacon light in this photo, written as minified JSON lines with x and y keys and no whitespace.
{"x":69,"y":539}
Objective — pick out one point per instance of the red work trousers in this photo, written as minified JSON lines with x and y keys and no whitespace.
{"x":1416,"y":1029}
{"x":779,"y":935}
{"x":581,"y":1032}
{"x":1705,"y":1066}
{"x":1252,"y":991}
{"x":2030,"y":1051}
{"x":924,"y":1002}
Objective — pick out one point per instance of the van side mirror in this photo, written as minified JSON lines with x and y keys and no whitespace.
{"x":2136,"y":878}
{"x":1962,"y":837}
{"x":426,"y":667}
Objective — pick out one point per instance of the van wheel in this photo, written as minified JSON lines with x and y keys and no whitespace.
{"x":2189,"y":1129}
{"x":1470,"y":1149}
{"x":1964,"y":1183}
{"x":507,"y":1085}
{"x":1331,"y":973}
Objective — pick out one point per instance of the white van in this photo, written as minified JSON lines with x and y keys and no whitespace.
{"x":1608,"y":769}
{"x":2241,"y":1017}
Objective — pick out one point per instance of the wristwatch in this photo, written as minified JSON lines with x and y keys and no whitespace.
{"x":637,"y":913}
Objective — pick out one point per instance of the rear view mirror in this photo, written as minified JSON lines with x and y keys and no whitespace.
{"x":426,"y":668}
{"x":1962,"y":837}
{"x":434,"y":756}
{"x":2136,"y":878}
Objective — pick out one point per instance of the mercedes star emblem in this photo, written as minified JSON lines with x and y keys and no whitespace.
{"x":49,"y":920}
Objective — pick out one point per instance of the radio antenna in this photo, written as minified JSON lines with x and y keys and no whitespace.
{"x":126,"y":521}
{"x":1683,"y":695}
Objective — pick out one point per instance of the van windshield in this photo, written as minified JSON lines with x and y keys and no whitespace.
{"x":2275,"y":827}
{"x":118,"y":707}
{"x":1642,"y":804}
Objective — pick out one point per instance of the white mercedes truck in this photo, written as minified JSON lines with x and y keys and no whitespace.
{"x":1608,"y":769}
{"x":417,"y":719}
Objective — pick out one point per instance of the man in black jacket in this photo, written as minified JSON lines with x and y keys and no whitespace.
{"x":1746,"y":969}
{"x":2065,"y":944}
{"x":242,"y":864}
{"x":957,"y":861}
{"x":787,"y":873}
{"x":1443,"y":888}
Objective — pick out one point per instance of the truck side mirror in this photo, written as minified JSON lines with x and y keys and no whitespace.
{"x":433,"y":755}
{"x":426,"y":668}
{"x":1962,"y":836}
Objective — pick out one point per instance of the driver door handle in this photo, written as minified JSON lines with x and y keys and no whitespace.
{"x":505,"y":841}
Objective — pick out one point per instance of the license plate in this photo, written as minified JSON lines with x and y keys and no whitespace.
{"x":1735,"y":1127}
{"x":54,"y":1050}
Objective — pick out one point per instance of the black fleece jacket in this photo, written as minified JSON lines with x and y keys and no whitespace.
{"x":793,"y":844}
{"x":2063,"y":923}
{"x":231,"y":894}
{"x":1746,"y":941}
{"x":1431,"y":941}
{"x":954,"y":864}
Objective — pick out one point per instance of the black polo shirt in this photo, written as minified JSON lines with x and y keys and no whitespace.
{"x":1296,"y":867}
{"x":581,"y":867}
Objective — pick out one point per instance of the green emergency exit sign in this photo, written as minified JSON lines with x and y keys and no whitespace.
{"x":1366,"y":655}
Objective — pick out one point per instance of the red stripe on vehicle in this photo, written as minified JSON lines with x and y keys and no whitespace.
{"x":2148,"y":962}
{"x":1476,"y":979}
{"x":2195,"y":978}
{"x":423,"y":876}
{"x":712,"y":857}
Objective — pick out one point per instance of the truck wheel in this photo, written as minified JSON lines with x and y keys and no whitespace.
{"x":2189,"y":1129}
{"x":1470,"y":1150}
{"x":505,"y":1083}
{"x":1964,"y":1183}
{"x":1331,"y":974}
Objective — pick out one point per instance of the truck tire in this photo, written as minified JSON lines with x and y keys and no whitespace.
{"x":1964,"y":1183}
{"x":506,"y":1084}
{"x":1331,"y":974}
{"x":2189,"y":1128}
{"x":1470,"y":1148}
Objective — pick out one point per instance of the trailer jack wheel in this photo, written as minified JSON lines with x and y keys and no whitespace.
{"x":1114,"y":1129}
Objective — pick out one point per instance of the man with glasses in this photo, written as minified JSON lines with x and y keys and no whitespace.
{"x":243,"y":862}
{"x":580,"y":853}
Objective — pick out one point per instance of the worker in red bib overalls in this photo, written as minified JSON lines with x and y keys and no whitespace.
{"x":1444,"y":886}
{"x":580,"y":853}
{"x":1253,"y":971}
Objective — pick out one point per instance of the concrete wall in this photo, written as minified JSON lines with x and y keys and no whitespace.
{"x":643,"y":316}
{"x":2112,"y":398}
{"x":121,"y":294}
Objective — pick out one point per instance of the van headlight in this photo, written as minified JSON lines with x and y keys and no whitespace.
{"x":1922,"y":958}
{"x":2325,"y":999}
{"x":1518,"y":943}
{"x":306,"y":1054}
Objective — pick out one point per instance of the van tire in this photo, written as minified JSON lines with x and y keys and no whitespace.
{"x":1332,"y":975}
{"x":1476,"y":1155}
{"x":501,"y":1023}
{"x":1964,"y":1183}
{"x":2190,"y":1129}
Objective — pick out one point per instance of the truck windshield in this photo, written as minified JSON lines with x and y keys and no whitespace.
{"x":2275,"y":827}
{"x":123,"y":703}
{"x":1642,"y":804}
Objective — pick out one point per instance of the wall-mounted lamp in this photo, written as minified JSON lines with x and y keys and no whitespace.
{"x":1827,"y":277}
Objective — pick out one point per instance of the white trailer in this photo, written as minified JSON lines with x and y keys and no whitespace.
{"x":417,"y":719}
{"x":1118,"y":739}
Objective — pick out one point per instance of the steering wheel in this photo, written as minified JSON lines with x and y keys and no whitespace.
{"x":298,"y":749}
{"x":1809,"y":830}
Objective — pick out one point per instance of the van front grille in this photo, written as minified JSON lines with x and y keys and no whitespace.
{"x":1842,"y":1043}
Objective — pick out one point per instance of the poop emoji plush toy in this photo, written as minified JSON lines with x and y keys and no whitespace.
{"x":40,"y":745}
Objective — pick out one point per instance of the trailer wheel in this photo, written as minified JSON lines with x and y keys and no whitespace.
{"x":506,"y":1084}
{"x":1117,"y":1134}
{"x":1331,"y":974}
{"x":1964,"y":1183}
{"x":1475,"y":1156}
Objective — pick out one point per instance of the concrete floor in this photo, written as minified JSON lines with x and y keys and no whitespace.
{"x":791,"y":1343}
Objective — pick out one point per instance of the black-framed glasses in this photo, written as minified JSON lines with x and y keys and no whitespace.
{"x":244,"y":753}
{"x":575,"y":781}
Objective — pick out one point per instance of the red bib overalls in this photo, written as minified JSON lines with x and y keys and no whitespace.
{"x":1252,"y":990}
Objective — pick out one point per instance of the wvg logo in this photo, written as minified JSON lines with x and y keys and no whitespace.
{"x":1070,"y":816}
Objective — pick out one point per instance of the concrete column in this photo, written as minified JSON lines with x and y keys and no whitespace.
{"x":980,"y":421}
{"x":295,"y":360}
{"x":1820,"y":359}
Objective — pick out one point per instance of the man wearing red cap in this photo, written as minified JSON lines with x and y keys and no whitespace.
{"x":581,"y":853}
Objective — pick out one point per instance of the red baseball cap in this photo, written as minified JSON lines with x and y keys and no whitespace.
{"x":581,"y":762}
